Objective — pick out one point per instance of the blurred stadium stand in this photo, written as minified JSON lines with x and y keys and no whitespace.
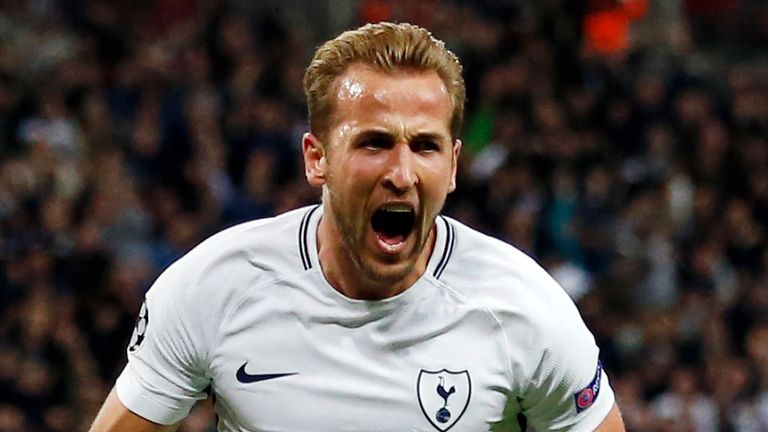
{"x":636,"y":171}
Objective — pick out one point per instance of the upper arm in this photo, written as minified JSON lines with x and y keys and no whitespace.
{"x":115,"y":417}
{"x":568,"y":389}
{"x":166,"y":374}
{"x":613,"y":422}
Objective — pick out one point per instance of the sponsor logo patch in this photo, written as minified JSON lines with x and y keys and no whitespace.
{"x":587,"y":396}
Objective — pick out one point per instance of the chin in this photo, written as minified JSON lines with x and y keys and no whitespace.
{"x":388,"y":274}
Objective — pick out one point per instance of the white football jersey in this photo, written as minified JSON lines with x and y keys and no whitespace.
{"x":485,"y":335}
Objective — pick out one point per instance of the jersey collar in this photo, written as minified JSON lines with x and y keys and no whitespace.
{"x":445,"y":243}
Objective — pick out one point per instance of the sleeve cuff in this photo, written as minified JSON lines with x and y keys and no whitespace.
{"x":146,"y":402}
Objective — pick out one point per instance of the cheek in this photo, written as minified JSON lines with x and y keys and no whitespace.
{"x":440,"y":176}
{"x":355,"y":175}
{"x":364,"y":168}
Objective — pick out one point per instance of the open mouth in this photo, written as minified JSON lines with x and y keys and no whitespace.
{"x":393,"y":224}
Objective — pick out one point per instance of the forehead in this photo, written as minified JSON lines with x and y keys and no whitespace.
{"x":365,"y":96}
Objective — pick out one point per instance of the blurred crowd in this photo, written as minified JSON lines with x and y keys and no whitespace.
{"x":636,"y":172}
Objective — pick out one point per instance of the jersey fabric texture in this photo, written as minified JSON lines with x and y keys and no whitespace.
{"x":483,"y":336}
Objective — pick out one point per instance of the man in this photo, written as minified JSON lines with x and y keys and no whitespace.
{"x":370,"y":311}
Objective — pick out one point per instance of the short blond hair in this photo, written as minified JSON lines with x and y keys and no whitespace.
{"x":386,"y":47}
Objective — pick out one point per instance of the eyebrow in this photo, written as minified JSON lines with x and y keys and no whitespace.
{"x":373,"y":134}
{"x":382,"y":134}
{"x":427,"y":136}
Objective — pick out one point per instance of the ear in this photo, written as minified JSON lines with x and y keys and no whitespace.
{"x":314,"y":159}
{"x":454,"y":165}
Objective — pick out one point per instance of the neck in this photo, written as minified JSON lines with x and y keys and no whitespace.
{"x":348,"y":278}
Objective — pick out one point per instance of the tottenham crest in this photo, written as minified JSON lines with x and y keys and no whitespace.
{"x":443,"y":396}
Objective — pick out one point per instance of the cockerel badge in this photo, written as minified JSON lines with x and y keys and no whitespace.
{"x":443,"y":396}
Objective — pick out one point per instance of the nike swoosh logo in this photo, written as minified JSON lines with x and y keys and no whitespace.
{"x":246,"y":378}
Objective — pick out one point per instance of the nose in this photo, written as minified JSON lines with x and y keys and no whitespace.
{"x":401,"y":174}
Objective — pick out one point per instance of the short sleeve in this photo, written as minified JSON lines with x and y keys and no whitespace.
{"x":569,"y":390}
{"x":165,"y":374}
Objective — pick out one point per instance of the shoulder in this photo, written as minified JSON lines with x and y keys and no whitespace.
{"x":217,"y":272}
{"x":270,"y":244}
{"x":528,"y":303}
{"x":488,"y":269}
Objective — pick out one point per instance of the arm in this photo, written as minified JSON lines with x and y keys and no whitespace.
{"x":568,"y":389}
{"x":613,"y":422}
{"x":115,"y":417}
{"x":166,"y":370}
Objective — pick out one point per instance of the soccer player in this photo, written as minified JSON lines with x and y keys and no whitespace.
{"x":370,"y":311}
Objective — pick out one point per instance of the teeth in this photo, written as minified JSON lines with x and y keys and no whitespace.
{"x":397,"y":208}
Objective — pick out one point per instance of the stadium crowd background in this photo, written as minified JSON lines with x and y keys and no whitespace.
{"x":635,"y":170}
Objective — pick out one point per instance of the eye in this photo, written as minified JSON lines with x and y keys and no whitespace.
{"x":376,"y":143}
{"x":425,"y":146}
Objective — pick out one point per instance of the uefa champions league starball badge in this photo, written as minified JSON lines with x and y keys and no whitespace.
{"x":443,"y":396}
{"x":140,"y":329}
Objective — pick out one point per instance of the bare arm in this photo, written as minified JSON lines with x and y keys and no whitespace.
{"x":115,"y":417}
{"x":612,"y":423}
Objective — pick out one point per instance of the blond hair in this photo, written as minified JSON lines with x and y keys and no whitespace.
{"x":386,"y":47}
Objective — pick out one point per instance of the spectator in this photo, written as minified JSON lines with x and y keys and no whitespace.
{"x":128,"y":134}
